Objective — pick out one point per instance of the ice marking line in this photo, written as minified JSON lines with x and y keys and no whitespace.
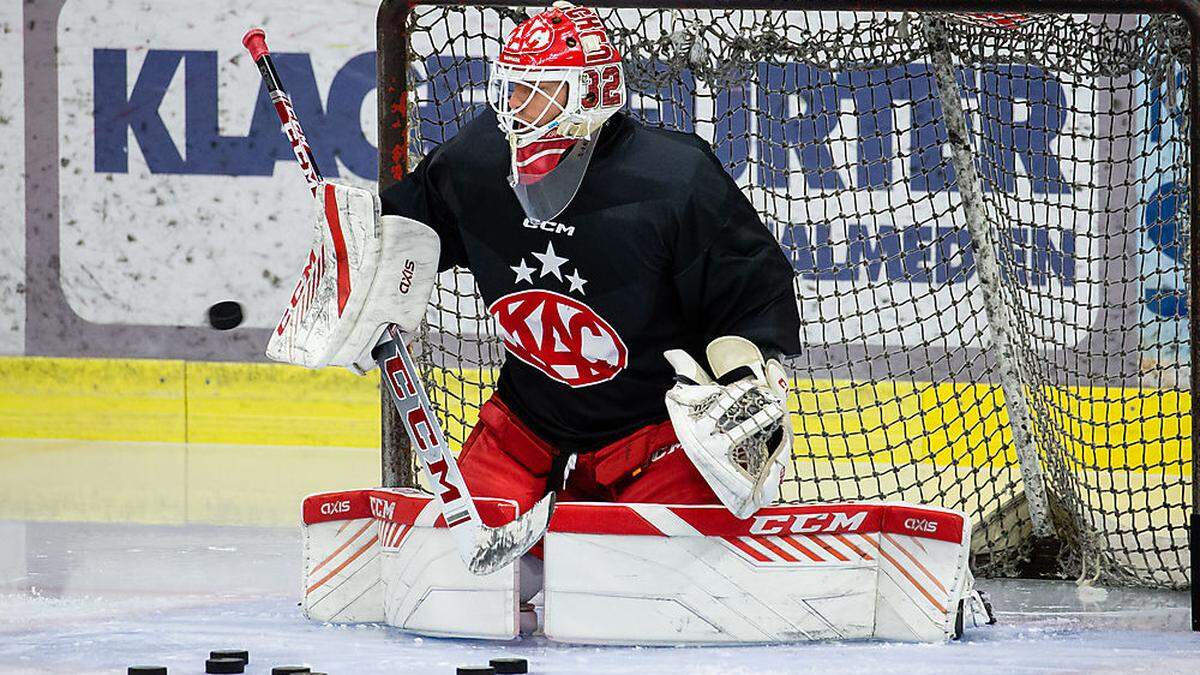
{"x":341,"y":567}
{"x":745,"y":548}
{"x":801,"y":548}
{"x":766,"y":541}
{"x":900,"y":568}
{"x":917,"y":563}
{"x":849,"y":544}
{"x":825,"y":545}
{"x":341,"y":548}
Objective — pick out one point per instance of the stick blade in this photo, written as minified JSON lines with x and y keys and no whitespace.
{"x":496,"y":547}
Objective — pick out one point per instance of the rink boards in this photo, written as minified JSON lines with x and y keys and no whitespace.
{"x":231,"y":442}
{"x":266,"y":404}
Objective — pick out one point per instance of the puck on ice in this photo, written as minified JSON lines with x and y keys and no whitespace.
{"x":225,"y":315}
{"x":224,"y":666}
{"x":507,"y":665}
{"x":289,"y":670}
{"x":475,"y":670}
{"x":230,"y":654}
{"x":147,"y":670}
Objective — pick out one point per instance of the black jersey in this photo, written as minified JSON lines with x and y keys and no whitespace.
{"x":658,"y":250}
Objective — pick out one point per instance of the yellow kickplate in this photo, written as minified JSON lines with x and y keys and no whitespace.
{"x":273,"y":404}
{"x":179,"y":401}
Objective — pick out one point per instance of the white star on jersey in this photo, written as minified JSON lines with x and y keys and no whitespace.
{"x":551,"y":262}
{"x":524,"y":272}
{"x":577,"y":281}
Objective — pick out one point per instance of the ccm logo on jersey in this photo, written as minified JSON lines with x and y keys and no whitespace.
{"x":807,"y":523}
{"x":549,"y":226}
{"x":334,"y":508}
{"x":920,"y":525}
{"x":382,"y":509}
{"x":406,"y":276}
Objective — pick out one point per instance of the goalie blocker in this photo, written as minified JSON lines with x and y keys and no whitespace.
{"x":363,"y":272}
{"x":650,"y":574}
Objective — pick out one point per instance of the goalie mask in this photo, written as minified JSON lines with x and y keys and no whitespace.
{"x":556,"y":82}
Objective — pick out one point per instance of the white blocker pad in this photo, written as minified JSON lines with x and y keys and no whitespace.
{"x":385,"y":555}
{"x":363,"y":272}
{"x":652,"y":574}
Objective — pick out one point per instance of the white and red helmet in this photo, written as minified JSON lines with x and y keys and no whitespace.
{"x":562,"y":63}
{"x":563,"y":47}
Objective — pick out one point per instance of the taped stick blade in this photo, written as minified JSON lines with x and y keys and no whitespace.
{"x":496,"y":547}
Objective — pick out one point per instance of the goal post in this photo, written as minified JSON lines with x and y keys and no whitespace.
{"x":988,"y":207}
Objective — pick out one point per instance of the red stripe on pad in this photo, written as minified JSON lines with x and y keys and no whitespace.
{"x":747,"y":549}
{"x":716,"y":521}
{"x":770,"y":546}
{"x":803,"y":549}
{"x":927,"y":523}
{"x":328,"y":506}
{"x":395,"y":506}
{"x":589,"y":518}
{"x":339,"y":246}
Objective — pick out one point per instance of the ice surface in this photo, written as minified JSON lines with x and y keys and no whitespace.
{"x":95,"y":598}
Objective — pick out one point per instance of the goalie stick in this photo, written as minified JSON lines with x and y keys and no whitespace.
{"x":484,"y":549}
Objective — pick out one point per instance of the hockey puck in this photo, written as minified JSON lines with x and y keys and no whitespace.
{"x":147,"y":670}
{"x":224,"y":666}
{"x":225,"y":315}
{"x":289,"y":670}
{"x":509,"y":666}
{"x":476,"y":670}
{"x":230,"y":654}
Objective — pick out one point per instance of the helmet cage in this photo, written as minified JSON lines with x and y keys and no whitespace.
{"x":594,"y":93}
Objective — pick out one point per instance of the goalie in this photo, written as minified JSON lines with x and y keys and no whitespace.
{"x":598,"y":244}
{"x":645,"y":309}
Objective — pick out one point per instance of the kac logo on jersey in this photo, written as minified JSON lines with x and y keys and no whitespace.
{"x":560,"y":336}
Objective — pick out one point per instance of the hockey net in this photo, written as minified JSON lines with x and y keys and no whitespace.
{"x":992,"y":320}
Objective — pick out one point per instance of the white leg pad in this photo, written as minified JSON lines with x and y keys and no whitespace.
{"x":652,"y":574}
{"x":385,"y":555}
{"x":341,"y":559}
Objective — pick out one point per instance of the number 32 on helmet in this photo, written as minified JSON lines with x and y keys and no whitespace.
{"x":565,"y":54}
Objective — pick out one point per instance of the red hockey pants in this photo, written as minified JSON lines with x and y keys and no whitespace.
{"x":503,"y":458}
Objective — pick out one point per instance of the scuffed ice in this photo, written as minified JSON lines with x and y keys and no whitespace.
{"x":87,"y":598}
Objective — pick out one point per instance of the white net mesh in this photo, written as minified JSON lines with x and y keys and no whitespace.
{"x":834,"y":125}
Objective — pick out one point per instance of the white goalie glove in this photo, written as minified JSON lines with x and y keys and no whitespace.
{"x":734,"y":424}
{"x":363,"y":272}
